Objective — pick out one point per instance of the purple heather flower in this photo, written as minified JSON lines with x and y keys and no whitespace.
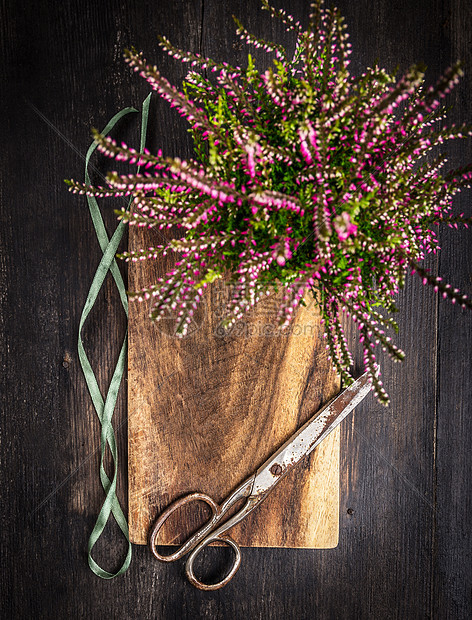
{"x":303,"y":167}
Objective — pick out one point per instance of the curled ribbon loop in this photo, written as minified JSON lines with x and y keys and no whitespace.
{"x":105,"y":408}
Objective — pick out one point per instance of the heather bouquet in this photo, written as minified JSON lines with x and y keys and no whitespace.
{"x":304,"y":177}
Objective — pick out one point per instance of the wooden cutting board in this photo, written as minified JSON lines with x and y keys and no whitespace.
{"x":205,"y":411}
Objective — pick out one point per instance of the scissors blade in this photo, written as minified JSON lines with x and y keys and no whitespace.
{"x":308,"y":436}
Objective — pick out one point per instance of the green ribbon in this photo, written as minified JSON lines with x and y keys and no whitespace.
{"x":105,"y":409}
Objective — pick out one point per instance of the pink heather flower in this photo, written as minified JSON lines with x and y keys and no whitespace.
{"x":344,"y":226}
{"x":282,"y":252}
{"x":305,"y":152}
{"x":289,"y":157}
{"x":250,"y":160}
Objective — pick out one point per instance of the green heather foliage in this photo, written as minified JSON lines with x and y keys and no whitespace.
{"x":304,"y":177}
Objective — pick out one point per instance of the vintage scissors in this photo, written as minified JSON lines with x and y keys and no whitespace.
{"x":258,"y":486}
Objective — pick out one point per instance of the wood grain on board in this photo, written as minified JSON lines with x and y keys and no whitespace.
{"x":205,"y":411}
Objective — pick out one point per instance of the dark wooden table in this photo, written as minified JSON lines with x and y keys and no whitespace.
{"x":405,"y":546}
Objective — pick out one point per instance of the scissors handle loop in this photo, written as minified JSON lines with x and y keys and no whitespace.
{"x":194,"y":540}
{"x":192,"y":557}
{"x":212,"y":531}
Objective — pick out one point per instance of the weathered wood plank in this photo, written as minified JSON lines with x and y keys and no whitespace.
{"x":452,"y":550}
